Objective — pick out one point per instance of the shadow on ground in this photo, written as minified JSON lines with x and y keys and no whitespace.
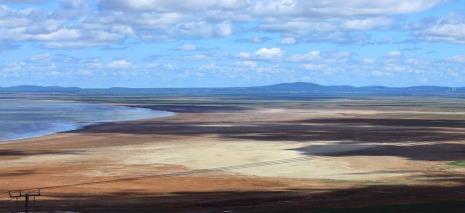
{"x":371,"y":198}
{"x":360,"y":130}
{"x":17,"y":153}
{"x":189,"y":108}
{"x":355,"y":134}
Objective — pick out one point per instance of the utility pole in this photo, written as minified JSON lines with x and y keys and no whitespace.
{"x":26,"y":195}
{"x":26,"y":202}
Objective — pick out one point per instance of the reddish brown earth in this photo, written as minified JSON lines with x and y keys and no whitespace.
{"x":271,"y":159}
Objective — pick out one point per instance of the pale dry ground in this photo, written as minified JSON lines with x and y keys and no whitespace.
{"x":107,"y":152}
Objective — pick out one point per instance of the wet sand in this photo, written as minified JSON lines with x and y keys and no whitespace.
{"x":259,"y":159}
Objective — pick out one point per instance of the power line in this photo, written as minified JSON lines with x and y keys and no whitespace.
{"x":184,"y":173}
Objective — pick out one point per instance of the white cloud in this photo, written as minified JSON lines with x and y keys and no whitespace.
{"x":458,"y":58}
{"x":309,"y":56}
{"x":288,"y":40}
{"x":373,"y":70}
{"x":314,"y":66}
{"x":276,"y":7}
{"x":122,"y":29}
{"x":244,"y":55}
{"x":50,"y":30}
{"x":367,"y":23}
{"x":394,"y":53}
{"x":255,"y":39}
{"x":449,"y":29}
{"x":249,"y":64}
{"x":224,"y":29}
{"x":119,"y":64}
{"x":368,"y":61}
{"x":269,"y":53}
{"x":217,"y":17}
{"x":78,"y":23}
{"x":157,"y":5}
{"x":262,"y":54}
{"x":340,"y":55}
{"x":201,"y":29}
{"x":41,"y":57}
{"x":294,"y":25}
{"x":197,"y":57}
{"x":334,"y":8}
{"x":22,"y":1}
{"x":187,"y":47}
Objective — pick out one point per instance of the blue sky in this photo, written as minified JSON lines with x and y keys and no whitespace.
{"x":218,"y":43}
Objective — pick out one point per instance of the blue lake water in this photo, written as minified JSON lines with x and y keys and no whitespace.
{"x":32,"y":118}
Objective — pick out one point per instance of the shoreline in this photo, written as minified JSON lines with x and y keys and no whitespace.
{"x":83,"y":125}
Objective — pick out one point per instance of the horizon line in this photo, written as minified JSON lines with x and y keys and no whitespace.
{"x":229,"y":87}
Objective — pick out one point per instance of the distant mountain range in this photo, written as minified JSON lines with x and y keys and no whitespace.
{"x":283,"y":89}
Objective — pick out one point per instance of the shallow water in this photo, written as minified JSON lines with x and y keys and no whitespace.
{"x":32,"y":118}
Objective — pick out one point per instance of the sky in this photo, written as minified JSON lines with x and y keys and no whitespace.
{"x":224,"y":43}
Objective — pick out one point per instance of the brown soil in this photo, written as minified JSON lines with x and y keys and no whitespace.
{"x":257,"y":160}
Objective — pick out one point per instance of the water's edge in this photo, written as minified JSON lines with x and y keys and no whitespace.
{"x":73,"y":126}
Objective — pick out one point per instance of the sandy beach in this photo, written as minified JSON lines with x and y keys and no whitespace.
{"x":280,"y":157}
